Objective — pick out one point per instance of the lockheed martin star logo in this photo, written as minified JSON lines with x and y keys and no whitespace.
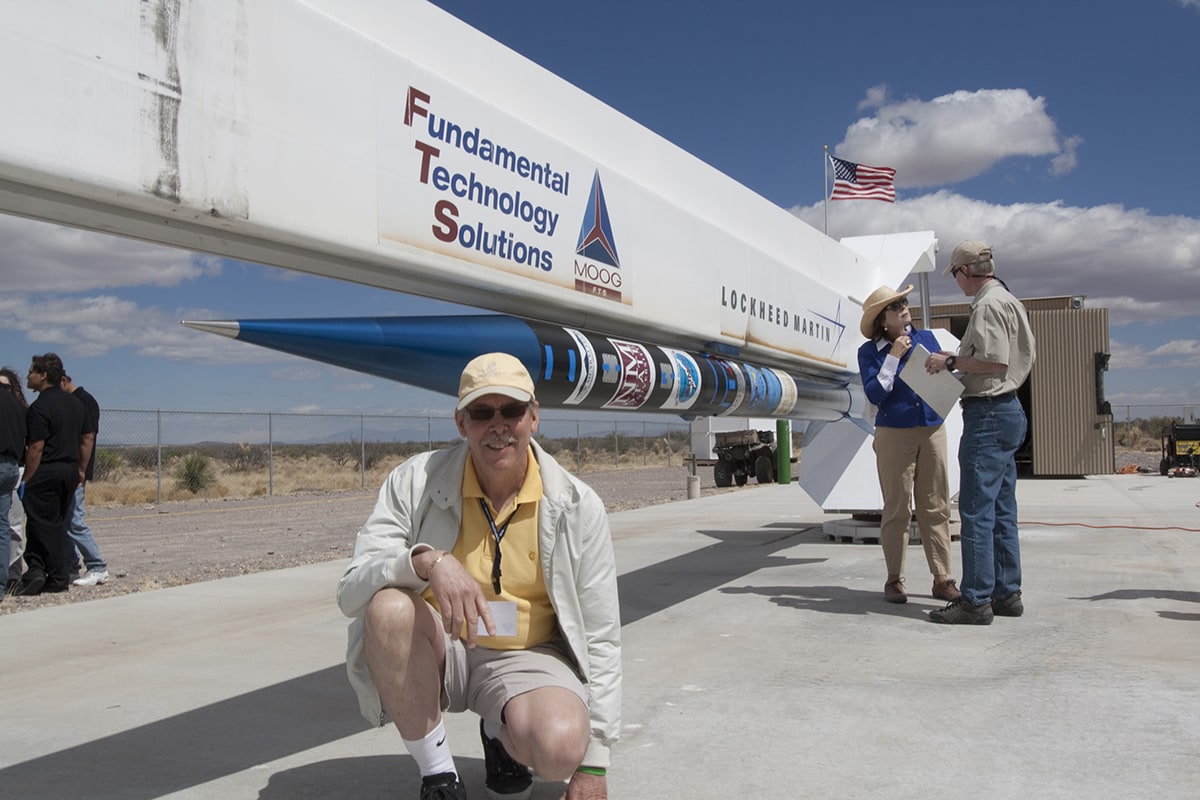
{"x":595,"y":234}
{"x":836,"y":323}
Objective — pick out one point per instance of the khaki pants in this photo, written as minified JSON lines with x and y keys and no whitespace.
{"x":912,"y":466}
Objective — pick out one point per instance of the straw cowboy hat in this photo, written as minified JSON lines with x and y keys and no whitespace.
{"x":880,"y":299}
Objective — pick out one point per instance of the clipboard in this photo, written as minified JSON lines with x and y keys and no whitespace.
{"x":940,"y":391}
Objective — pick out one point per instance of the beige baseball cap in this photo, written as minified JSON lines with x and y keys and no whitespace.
{"x":970,"y":253}
{"x":494,"y":373}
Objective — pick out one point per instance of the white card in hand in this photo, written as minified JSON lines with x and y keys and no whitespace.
{"x":504,"y":616}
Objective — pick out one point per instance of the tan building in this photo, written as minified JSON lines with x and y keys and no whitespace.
{"x":1070,"y":422}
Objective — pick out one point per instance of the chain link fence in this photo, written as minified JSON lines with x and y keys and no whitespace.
{"x":151,"y":457}
{"x":1142,"y":427}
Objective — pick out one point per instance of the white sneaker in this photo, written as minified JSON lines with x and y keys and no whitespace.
{"x":91,"y":578}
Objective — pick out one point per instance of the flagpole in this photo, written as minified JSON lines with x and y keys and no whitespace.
{"x":826,"y":190}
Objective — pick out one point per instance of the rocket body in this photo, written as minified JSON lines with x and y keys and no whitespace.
{"x":571,"y":368}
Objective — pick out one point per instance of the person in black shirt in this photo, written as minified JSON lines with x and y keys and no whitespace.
{"x":12,"y":449}
{"x":77,"y":528}
{"x":55,"y":449}
{"x":10,"y":381}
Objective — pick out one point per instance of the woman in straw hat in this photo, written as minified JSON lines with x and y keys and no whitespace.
{"x":910,"y":444}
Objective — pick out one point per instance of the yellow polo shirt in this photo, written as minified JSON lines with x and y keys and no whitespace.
{"x":521,"y":579}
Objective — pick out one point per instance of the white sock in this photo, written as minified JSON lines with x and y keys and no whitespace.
{"x":431,"y":752}
{"x":491,"y":729}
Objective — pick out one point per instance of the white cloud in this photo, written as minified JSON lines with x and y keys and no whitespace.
{"x":1180,"y":352}
{"x":39,"y":257}
{"x":956,"y":136}
{"x":79,"y":327}
{"x":876,"y":97}
{"x":1176,"y":354}
{"x":1140,"y":266}
{"x":1068,"y":159}
{"x":1124,"y":356}
{"x":301,"y":371}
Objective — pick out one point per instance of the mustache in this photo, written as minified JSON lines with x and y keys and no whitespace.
{"x":498,"y":440}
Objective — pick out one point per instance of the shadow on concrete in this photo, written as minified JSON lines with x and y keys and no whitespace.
{"x":1158,"y":594}
{"x":667,"y":583}
{"x":376,"y":778}
{"x":363,"y":778}
{"x":196,"y":746}
{"x":839,"y":600}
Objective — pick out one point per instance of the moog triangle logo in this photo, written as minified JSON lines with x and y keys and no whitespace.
{"x":596,"y":270}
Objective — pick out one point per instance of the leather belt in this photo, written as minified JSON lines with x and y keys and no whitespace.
{"x":991,"y":398}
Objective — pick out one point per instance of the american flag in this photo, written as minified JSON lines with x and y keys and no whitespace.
{"x":860,"y":182}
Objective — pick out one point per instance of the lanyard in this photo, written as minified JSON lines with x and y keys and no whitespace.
{"x":497,"y":534}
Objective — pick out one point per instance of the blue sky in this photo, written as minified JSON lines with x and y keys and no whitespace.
{"x":1062,"y":135}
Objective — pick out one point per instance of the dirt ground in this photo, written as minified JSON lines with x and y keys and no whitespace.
{"x":153,"y":547}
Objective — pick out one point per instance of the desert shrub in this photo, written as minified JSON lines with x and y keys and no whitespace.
{"x":142,"y":458}
{"x":343,"y":453}
{"x":194,"y":474}
{"x":1143,"y":434}
{"x":244,"y":457}
{"x":107,"y":464}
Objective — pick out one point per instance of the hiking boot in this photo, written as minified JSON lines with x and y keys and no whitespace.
{"x":507,"y":778}
{"x":30,"y":585}
{"x":960,"y":612}
{"x":1010,"y":606}
{"x":893,"y":591}
{"x":443,"y":786}
{"x":945,"y":589}
{"x":91,"y":578}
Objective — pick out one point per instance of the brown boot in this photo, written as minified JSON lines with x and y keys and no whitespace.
{"x":893,"y":590}
{"x":944,"y":588}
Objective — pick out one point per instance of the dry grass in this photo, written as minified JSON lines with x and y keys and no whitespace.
{"x":307,"y":474}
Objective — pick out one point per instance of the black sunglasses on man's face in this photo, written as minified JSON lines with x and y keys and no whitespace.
{"x":510,"y":411}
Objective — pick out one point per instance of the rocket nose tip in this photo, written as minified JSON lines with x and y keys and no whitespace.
{"x":227,"y":328}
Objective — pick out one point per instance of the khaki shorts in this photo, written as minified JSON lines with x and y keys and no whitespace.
{"x":484,"y":680}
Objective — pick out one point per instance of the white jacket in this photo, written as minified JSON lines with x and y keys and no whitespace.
{"x":420,"y":507}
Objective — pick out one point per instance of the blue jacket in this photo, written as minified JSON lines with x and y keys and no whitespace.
{"x":900,"y":407}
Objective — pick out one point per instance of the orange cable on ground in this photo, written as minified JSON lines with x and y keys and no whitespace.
{"x":1108,"y":527}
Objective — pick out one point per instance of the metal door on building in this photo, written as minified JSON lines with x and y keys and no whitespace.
{"x":1070,"y":420}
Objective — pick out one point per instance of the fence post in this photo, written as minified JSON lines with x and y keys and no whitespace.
{"x":158,"y":453}
{"x":578,"y":448}
{"x":270,"y":456}
{"x":362,"y":451}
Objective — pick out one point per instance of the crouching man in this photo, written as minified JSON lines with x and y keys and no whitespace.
{"x":484,"y":580}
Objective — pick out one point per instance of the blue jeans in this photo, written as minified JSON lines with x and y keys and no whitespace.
{"x":993,"y":430}
{"x":81,"y":535}
{"x":9,"y":474}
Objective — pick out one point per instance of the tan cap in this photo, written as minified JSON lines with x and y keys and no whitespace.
{"x":880,"y":299}
{"x":494,"y":373}
{"x":970,"y":253}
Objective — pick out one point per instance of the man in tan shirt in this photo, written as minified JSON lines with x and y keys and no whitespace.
{"x":994,"y":359}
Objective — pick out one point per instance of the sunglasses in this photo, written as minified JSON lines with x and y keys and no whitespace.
{"x":510,"y":411}
{"x":897,"y":305}
{"x":954,"y":272}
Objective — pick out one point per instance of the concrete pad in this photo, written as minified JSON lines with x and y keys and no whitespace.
{"x":760,"y":660}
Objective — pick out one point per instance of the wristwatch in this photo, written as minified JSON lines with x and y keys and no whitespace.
{"x":950,"y":362}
